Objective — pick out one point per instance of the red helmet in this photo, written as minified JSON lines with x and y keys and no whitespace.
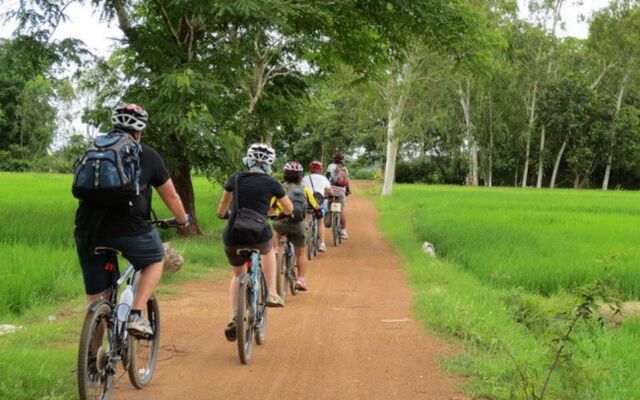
{"x":292,"y":169}
{"x":315,"y":166}
{"x":338,"y":156}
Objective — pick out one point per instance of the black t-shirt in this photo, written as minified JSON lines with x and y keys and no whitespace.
{"x":126,"y":220}
{"x":255,"y":191}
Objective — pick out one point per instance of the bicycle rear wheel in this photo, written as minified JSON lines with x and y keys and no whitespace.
{"x":244,"y":320}
{"x":261,"y":330}
{"x":143,"y":352}
{"x":335,"y":228}
{"x":291,"y":269}
{"x":95,"y":370}
{"x":281,"y":271}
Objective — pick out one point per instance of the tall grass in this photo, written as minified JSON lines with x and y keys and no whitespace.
{"x":40,"y":276}
{"x":498,"y":251}
{"x":545,"y":241}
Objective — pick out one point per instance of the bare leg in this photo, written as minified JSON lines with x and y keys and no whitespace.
{"x":301,"y":255}
{"x":321,"y":232}
{"x":149,"y":279}
{"x":234,"y":287}
{"x":269,"y":267}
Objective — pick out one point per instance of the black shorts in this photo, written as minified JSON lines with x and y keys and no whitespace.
{"x":140,"y":250}
{"x":237,"y":260}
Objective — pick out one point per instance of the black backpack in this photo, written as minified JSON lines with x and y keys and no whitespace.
{"x":109,"y":172}
{"x":296,"y":194}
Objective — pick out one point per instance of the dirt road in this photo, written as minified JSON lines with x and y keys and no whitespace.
{"x":352,"y":336}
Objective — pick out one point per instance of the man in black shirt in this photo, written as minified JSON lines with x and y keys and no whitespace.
{"x":125,"y":228}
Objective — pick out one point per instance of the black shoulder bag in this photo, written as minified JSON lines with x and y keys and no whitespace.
{"x":248,"y":225}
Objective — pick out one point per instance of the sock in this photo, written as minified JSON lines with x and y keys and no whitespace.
{"x":136,"y":312}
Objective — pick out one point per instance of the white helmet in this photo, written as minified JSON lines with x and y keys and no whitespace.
{"x":129,"y":117}
{"x":261,"y":152}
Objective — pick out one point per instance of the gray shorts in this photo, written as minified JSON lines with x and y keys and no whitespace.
{"x":140,"y":250}
{"x":237,"y":260}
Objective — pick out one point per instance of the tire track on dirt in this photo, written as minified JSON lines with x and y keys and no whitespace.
{"x":352,"y":336}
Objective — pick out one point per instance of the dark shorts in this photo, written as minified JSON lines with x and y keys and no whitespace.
{"x":141,"y":251}
{"x":295,"y":231}
{"x":237,"y":260}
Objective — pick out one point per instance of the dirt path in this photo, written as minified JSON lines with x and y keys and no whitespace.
{"x":352,"y":336}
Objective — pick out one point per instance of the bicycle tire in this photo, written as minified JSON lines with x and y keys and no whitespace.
{"x":141,"y":373}
{"x":291,"y":270}
{"x":335,"y":228}
{"x":95,"y":384}
{"x":281,"y":271}
{"x":244,"y":320}
{"x":261,"y":331}
{"x":310,"y":244}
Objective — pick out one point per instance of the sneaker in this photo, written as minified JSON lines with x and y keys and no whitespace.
{"x":343,"y":234}
{"x":230,"y":332}
{"x":273,"y":300}
{"x":301,"y":284}
{"x":138,"y":326}
{"x":322,"y":247}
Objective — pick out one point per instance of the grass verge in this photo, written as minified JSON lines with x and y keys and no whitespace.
{"x":505,"y":331}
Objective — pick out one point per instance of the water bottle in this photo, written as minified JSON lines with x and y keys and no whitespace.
{"x":125,"y":303}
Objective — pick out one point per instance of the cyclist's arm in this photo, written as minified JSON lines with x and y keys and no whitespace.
{"x":286,"y":205}
{"x":225,"y":201}
{"x":170,"y":197}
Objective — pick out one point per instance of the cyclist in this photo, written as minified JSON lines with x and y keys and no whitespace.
{"x":255,"y":190}
{"x":125,"y":228}
{"x":295,"y":227}
{"x":321,"y":187}
{"x":338,"y":175}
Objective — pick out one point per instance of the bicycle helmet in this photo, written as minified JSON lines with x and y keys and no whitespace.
{"x":315,"y":166}
{"x":338,"y":157}
{"x":292,"y":170}
{"x":130,"y":117}
{"x":262,"y":153}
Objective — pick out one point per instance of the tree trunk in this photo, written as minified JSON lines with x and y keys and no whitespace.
{"x":532,"y":116}
{"x":181,"y":177}
{"x":490,"y":172}
{"x":557,"y":165}
{"x":392,"y":153}
{"x":465,"y":102}
{"x":607,"y":171}
{"x":577,"y":181}
{"x":541,"y":162}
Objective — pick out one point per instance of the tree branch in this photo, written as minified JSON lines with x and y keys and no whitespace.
{"x":167,"y":22}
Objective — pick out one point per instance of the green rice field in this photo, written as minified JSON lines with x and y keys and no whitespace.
{"x":503,"y":284}
{"x":41,"y":279}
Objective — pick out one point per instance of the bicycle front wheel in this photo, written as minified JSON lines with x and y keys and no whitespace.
{"x":244,"y":320}
{"x":95,"y":370}
{"x":143,"y":352}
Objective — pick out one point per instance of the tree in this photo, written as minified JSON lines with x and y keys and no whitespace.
{"x":614,"y":36}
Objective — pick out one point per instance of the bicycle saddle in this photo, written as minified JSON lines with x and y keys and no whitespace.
{"x":107,"y":250}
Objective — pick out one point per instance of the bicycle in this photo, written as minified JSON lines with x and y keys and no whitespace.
{"x":335,"y":210}
{"x":251,"y":313}
{"x":313,"y":239}
{"x":99,"y":354}
{"x":286,"y":268}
